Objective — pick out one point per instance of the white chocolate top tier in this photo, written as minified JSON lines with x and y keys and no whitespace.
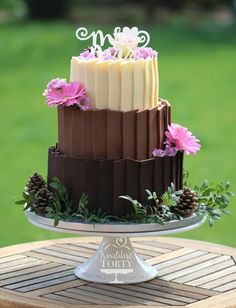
{"x":122,"y":84}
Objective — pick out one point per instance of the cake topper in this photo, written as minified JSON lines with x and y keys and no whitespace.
{"x":124,"y":40}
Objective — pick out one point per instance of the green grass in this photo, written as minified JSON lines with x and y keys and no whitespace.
{"x":197,"y":75}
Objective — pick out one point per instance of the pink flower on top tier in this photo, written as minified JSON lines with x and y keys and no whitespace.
{"x":59,"y":92}
{"x":181,"y":139}
{"x":110,"y":54}
{"x":87,"y":54}
{"x":144,"y":53}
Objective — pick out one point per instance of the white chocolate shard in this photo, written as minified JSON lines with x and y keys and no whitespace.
{"x":127,"y":68}
{"x":114,"y":75}
{"x":139,"y":84}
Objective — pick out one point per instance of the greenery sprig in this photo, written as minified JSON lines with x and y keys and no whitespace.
{"x":28,"y":200}
{"x":158,"y":212}
{"x":62,"y":205}
{"x":84,"y":214}
{"x":213,"y":200}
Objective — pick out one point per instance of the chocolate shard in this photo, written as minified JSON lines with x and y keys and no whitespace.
{"x":61,"y":128}
{"x":158,"y":175}
{"x":100,"y":133}
{"x":173,"y":172}
{"x":114,"y":135}
{"x":120,"y":206}
{"x":105,"y":185}
{"x":141,"y":135}
{"x":181,"y":161}
{"x":92,"y":183}
{"x":77,"y":133}
{"x":152,"y":130}
{"x":68,"y":129}
{"x":167,"y":172}
{"x":78,"y":171}
{"x":145,"y":178}
{"x":132,"y":179}
{"x":87,"y":133}
{"x":56,"y":166}
{"x":128,"y":134}
{"x":52,"y":164}
{"x":161,"y":127}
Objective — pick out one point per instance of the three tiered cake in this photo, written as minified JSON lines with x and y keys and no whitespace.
{"x":107,"y":150}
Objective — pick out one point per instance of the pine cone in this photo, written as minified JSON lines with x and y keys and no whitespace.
{"x":43,"y":198}
{"x":187,"y":203}
{"x":35,"y":183}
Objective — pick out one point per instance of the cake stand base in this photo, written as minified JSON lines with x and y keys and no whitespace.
{"x":115,"y":261}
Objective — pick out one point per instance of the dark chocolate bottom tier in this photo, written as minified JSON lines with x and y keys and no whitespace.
{"x":104,"y":180}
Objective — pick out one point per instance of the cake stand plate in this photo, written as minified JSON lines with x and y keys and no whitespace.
{"x":115,"y":260}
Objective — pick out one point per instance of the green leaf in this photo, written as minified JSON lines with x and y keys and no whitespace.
{"x":20,"y":202}
{"x":56,"y":220}
{"x":227,"y":185}
{"x":28,"y":205}
{"x":25,"y":195}
{"x":54,"y":185}
{"x":56,"y":179}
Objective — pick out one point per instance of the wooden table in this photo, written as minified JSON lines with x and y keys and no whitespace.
{"x":191,"y":274}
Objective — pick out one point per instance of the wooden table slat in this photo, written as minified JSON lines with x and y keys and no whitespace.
{"x":220,"y":281}
{"x":18,"y":267}
{"x":61,"y":297}
{"x":226,"y":287}
{"x":16,"y":262}
{"x":43,"y":274}
{"x":34,"y":281}
{"x":86,"y":296}
{"x":70,"y":251}
{"x":177,"y":257}
{"x":172,"y":257}
{"x":75,"y":248}
{"x":51,"y":258}
{"x":46,"y":283}
{"x":208,"y":274}
{"x":25,"y":271}
{"x":186,"y":267}
{"x":171,"y":290}
{"x":150,"y":248}
{"x":113,"y":297}
{"x":187,"y":288}
{"x":49,"y":252}
{"x":161,"y":245}
{"x":10,"y":258}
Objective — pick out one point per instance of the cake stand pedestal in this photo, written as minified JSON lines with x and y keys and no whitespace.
{"x":115,"y":261}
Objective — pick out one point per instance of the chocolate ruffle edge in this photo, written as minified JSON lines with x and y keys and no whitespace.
{"x":104,"y":180}
{"x":108,"y":134}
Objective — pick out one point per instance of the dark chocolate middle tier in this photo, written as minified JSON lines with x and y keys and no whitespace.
{"x":104,"y":180}
{"x":108,"y":134}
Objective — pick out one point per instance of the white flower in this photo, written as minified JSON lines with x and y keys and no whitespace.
{"x":127,"y":39}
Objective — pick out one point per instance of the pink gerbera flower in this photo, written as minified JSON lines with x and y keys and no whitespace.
{"x":182,"y":139}
{"x":59,"y":92}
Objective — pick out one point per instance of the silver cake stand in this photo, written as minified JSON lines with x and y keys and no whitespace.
{"x":115,"y":260}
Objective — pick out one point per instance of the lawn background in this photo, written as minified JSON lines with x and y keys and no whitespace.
{"x":197,"y":75}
